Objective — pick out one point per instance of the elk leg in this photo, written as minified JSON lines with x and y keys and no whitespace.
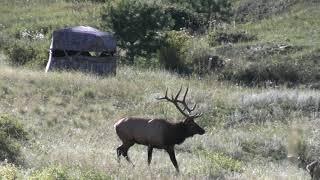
{"x":125,"y":151}
{"x":172,"y":155}
{"x":150,"y":148}
{"x":120,"y":152}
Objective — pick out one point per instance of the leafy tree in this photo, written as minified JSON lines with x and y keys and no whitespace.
{"x":137,"y":25}
{"x":184,"y":18}
{"x":140,"y":25}
{"x":210,"y":10}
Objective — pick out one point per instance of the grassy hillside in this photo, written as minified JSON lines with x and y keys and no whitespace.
{"x":267,"y":129}
{"x":26,"y":27}
{"x":282,"y":45}
{"x":70,"y":117}
{"x":287,"y":42}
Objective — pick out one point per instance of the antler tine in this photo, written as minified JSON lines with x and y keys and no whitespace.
{"x":164,"y":97}
{"x":183,"y":102}
{"x":178,"y":94}
{"x":194,"y":107}
{"x":185,"y":95}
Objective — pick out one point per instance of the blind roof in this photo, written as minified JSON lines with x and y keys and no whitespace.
{"x":83,"y":38}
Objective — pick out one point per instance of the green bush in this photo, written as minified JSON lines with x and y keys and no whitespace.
{"x":171,"y":56}
{"x":210,"y":11}
{"x":186,"y":54}
{"x":147,"y":62}
{"x":26,"y":52}
{"x":184,"y":18}
{"x":201,"y":58}
{"x":12,"y":134}
{"x":20,"y":53}
{"x":223,"y":37}
{"x":137,"y":25}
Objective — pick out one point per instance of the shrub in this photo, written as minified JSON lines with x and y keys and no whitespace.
{"x":209,"y":10}
{"x":20,"y":53}
{"x":184,"y":18}
{"x":218,"y":10}
{"x":137,"y":25}
{"x":223,"y":37}
{"x":186,"y":54}
{"x":147,"y":62}
{"x":12,"y":134}
{"x":171,"y":55}
{"x":200,"y":56}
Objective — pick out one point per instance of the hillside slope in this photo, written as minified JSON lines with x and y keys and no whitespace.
{"x":70,"y":117}
{"x":265,"y":132}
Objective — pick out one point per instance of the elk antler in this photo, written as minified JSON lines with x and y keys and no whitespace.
{"x":175,"y":100}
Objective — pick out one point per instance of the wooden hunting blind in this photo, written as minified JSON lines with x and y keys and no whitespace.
{"x":82,"y":48}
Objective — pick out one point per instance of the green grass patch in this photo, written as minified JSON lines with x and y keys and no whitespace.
{"x":218,"y":161}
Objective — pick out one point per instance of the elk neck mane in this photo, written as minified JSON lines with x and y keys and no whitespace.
{"x":176,"y":134}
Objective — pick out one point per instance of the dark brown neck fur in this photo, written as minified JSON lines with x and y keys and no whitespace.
{"x":176,"y":134}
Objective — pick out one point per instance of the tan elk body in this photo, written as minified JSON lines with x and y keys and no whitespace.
{"x":158,"y":133}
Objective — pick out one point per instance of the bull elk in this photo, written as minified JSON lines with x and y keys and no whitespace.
{"x":158,"y":133}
